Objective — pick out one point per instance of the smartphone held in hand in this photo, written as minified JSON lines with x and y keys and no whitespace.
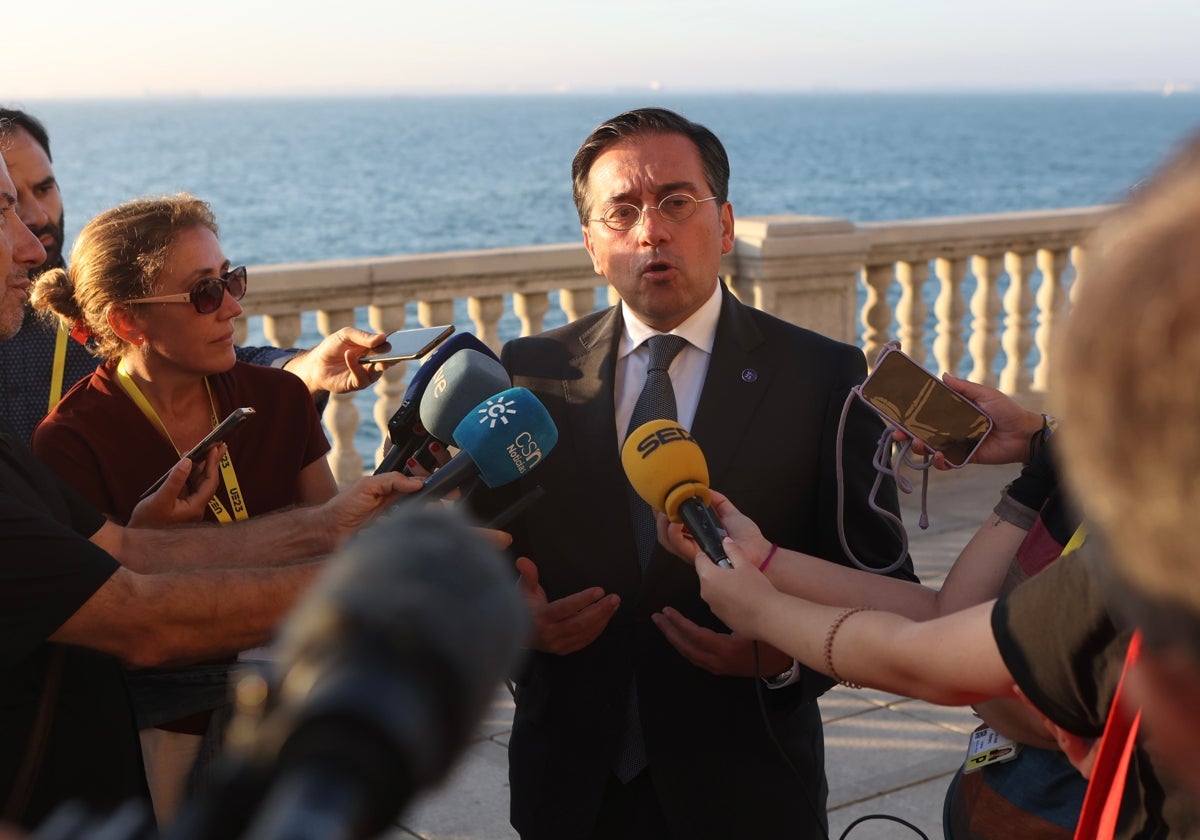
{"x":406,"y":345}
{"x":905,"y":394}
{"x":198,"y":452}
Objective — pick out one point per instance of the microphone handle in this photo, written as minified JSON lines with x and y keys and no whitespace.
{"x":705,"y":529}
{"x":390,"y":461}
{"x":313,"y":803}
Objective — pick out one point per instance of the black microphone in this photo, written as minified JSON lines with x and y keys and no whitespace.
{"x":667,"y":468}
{"x":404,"y":428}
{"x":384,"y":670}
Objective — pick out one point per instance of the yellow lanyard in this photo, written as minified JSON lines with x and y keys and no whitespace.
{"x":228,"y":476}
{"x":60,"y":365}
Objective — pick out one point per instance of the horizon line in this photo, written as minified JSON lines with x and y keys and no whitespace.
{"x":1164,"y":90}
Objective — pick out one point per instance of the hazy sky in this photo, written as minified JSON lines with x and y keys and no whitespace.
{"x":245,"y":47}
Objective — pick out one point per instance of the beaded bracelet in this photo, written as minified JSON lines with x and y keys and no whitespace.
{"x":762,"y":567}
{"x":829,"y":635}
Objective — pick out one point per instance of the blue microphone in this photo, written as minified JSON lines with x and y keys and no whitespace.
{"x":404,"y":429}
{"x":501,"y":440}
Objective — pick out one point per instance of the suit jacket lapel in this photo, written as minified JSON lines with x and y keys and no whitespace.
{"x":739,"y":374}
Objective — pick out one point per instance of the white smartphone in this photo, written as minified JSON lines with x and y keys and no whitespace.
{"x":406,"y":345}
{"x":219,"y":433}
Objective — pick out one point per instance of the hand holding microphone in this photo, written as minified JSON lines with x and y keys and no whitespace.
{"x":667,"y":469}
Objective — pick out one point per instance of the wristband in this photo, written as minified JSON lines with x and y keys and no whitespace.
{"x":762,"y":567}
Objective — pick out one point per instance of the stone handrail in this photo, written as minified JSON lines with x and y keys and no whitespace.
{"x":805,"y":269}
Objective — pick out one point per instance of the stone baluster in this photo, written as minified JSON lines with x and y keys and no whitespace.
{"x":486,"y":313}
{"x":985,"y":317}
{"x":282,"y":330}
{"x":341,"y":415}
{"x":1017,"y":339}
{"x":911,"y":311}
{"x":1052,"y":307}
{"x":950,"y":308}
{"x":433,"y":313}
{"x":1079,"y":261}
{"x":240,"y":331}
{"x":531,"y":308}
{"x":877,"y":313}
{"x":389,"y":390}
{"x":577,"y":302}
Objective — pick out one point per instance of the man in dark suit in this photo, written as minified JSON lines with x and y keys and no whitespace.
{"x":637,"y":715}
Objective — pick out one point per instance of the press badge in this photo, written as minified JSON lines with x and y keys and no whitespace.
{"x":988,"y":747}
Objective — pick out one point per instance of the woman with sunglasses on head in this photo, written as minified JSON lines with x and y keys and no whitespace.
{"x":151,"y":293}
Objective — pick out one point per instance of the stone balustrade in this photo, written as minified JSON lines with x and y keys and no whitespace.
{"x":867,"y":284}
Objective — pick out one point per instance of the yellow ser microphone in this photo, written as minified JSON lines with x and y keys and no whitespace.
{"x":667,"y":469}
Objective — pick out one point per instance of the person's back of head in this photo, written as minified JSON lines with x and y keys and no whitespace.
{"x":1127,"y":384}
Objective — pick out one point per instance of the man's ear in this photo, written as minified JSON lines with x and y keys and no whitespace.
{"x":587,"y":243}
{"x":726,"y":228}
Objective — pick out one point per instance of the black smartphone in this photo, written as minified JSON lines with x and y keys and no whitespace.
{"x":219,"y":433}
{"x":908,"y":396}
{"x":406,"y":345}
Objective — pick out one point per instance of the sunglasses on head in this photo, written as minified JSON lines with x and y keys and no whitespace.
{"x":206,"y":296}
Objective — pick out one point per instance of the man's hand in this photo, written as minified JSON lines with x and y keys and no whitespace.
{"x":353,"y":507}
{"x":1013,"y":426}
{"x":333,"y":364}
{"x":184,"y":496}
{"x":723,"y":654}
{"x":676,"y":539}
{"x":568,"y":624}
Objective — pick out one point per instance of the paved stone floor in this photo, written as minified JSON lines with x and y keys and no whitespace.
{"x":884,"y":754}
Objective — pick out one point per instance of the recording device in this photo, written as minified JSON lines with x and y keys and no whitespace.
{"x":906,"y":395}
{"x":456,"y":388}
{"x":667,"y":469}
{"x":466,"y":379}
{"x":197,"y":453}
{"x":404,"y":427}
{"x":501,"y":440}
{"x":406,"y":345}
{"x":384,"y":670}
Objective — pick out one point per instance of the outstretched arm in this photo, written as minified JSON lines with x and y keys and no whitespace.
{"x":274,"y":539}
{"x":160,"y":619}
{"x":951,"y":660}
{"x":975,"y":577}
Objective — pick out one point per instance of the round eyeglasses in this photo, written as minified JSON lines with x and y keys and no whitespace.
{"x":675,"y":207}
{"x":207,"y":294}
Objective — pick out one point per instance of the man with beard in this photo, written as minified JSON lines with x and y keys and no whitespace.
{"x":40,"y":363}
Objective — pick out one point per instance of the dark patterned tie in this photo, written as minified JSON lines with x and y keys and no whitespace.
{"x":656,"y":402}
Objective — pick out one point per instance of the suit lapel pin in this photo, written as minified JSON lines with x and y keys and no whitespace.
{"x":749,"y":375}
